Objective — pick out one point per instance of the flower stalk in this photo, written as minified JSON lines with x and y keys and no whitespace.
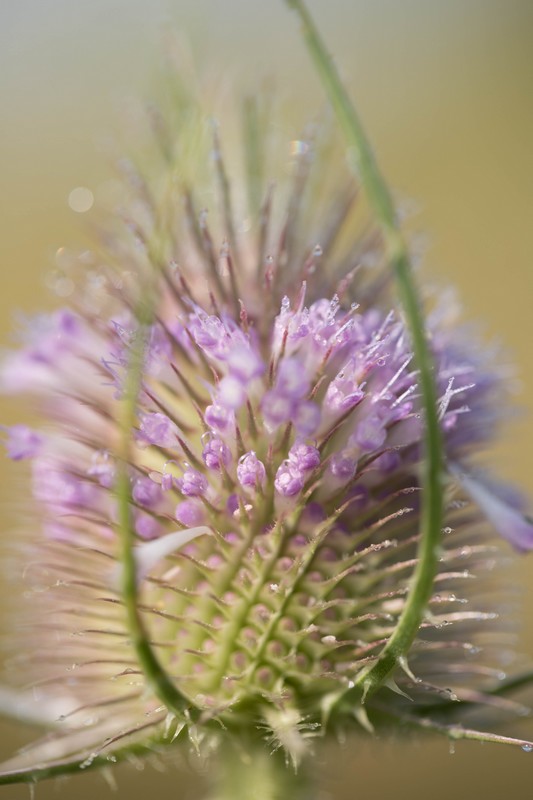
{"x":380,"y":201}
{"x":253,"y":773}
{"x":156,"y":677}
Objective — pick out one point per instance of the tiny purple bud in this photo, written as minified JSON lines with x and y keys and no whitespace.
{"x":146,"y":492}
{"x":216,"y":454}
{"x":167,"y":481}
{"x":190,"y":513}
{"x":208,"y":332}
{"x":156,"y":428}
{"x":219,"y":418}
{"x":402,"y":412}
{"x":244,"y":363}
{"x":289,"y":480}
{"x":370,"y":434}
{"x":306,"y":418}
{"x":192,"y":484}
{"x":342,"y":395}
{"x":250,"y":470}
{"x":232,"y":504}
{"x":291,"y":378}
{"x":276,"y":408}
{"x":146,"y":526}
{"x":388,"y":462}
{"x":343,"y":466}
{"x":305,"y":457}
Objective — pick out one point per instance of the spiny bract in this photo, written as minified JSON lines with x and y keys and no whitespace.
{"x":273,"y":470}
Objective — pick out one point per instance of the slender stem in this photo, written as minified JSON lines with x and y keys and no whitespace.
{"x":161,"y":684}
{"x":245,"y":773}
{"x":380,"y":200}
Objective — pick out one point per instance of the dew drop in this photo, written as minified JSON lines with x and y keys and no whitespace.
{"x":527,"y":748}
{"x":88,"y":761}
{"x":81,"y":199}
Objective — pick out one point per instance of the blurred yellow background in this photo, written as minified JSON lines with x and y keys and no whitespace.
{"x":444,"y":87}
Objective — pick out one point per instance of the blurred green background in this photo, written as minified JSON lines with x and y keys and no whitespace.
{"x":445,"y":89}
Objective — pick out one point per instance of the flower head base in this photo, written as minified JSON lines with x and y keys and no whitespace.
{"x":273,"y":474}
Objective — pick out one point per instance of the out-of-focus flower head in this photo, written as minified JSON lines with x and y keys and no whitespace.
{"x":272,"y":474}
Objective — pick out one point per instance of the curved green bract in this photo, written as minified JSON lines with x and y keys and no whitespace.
{"x":156,"y":677}
{"x":380,"y":200}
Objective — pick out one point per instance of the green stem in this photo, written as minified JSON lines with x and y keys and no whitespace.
{"x":156,"y":677}
{"x":245,"y":773}
{"x":380,"y":201}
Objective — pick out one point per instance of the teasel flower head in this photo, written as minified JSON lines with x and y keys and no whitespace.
{"x":227,"y":485}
